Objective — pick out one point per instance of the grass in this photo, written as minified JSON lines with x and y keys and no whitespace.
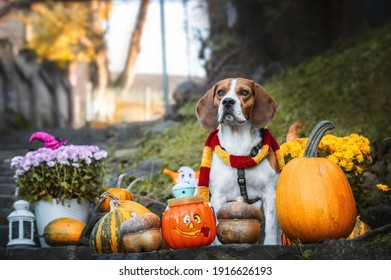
{"x":349,"y":85}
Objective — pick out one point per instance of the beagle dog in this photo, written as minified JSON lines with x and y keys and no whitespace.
{"x":242,"y":108}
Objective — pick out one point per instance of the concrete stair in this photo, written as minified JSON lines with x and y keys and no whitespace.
{"x":10,"y":145}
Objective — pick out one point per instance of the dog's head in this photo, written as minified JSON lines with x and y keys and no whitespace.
{"x":233,"y":101}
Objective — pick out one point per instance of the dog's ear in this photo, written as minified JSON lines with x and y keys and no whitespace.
{"x":206,"y":111}
{"x":264,"y":107}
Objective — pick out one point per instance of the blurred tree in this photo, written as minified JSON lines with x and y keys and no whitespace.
{"x":71,"y":34}
{"x":125,"y":79}
{"x":7,"y":6}
{"x":63,"y":32}
{"x":264,"y":36}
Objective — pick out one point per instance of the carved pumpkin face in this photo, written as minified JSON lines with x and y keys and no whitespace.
{"x":188,"y":222}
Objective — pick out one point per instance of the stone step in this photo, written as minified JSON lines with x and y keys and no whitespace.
{"x":20,"y":139}
{"x":332,"y":250}
{"x":6,"y":179}
{"x":7,"y":189}
{"x":17,"y":140}
{"x":6,"y":170}
{"x":7,"y":154}
{"x":3,"y":216}
{"x":3,"y":235}
{"x":6,"y":201}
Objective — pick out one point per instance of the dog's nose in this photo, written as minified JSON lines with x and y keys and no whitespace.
{"x":228,"y":102}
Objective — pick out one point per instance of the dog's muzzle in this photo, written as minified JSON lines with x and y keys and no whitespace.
{"x":228,"y":111}
{"x":228,"y":102}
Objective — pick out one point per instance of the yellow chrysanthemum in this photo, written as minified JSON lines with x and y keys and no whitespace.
{"x":383,"y":188}
{"x":358,"y":170}
{"x":351,"y":153}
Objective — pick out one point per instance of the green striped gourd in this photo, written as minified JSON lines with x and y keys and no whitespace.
{"x":105,"y":237}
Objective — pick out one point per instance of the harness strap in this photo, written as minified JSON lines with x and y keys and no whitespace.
{"x":241,"y":174}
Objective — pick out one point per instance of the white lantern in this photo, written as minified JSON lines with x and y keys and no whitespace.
{"x":21,"y":225}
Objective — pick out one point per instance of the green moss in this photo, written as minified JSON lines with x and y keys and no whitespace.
{"x":349,"y":85}
{"x":179,"y":145}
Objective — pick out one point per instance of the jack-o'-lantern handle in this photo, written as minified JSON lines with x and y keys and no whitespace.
{"x":315,"y":137}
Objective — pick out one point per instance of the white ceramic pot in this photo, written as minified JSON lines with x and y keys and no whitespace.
{"x":45,"y":212}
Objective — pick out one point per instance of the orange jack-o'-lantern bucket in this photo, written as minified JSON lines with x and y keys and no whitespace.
{"x":188,"y":222}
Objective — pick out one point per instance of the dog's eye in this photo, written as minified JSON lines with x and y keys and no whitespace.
{"x":244,"y":92}
{"x":220,"y":93}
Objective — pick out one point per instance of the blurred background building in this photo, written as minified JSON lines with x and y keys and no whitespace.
{"x":96,"y":63}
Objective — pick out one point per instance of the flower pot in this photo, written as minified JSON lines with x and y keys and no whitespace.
{"x":45,"y":212}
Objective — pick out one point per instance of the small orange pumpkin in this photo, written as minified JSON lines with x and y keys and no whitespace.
{"x":120,"y":193}
{"x":314,"y":201}
{"x":63,"y":231}
{"x":285,"y":240}
{"x":188,"y":222}
{"x":359,"y":229}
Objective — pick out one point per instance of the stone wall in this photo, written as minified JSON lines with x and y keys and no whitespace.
{"x":32,"y":94}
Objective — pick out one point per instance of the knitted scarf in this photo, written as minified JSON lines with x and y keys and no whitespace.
{"x":212,"y":144}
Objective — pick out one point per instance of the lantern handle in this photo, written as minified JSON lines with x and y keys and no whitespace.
{"x":316,"y":136}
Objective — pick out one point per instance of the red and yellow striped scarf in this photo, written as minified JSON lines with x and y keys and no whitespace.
{"x":212,"y":144}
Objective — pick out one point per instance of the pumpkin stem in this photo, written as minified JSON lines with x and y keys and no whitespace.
{"x":134,"y":182}
{"x":316,"y":136}
{"x":114,"y":202}
{"x":120,"y":179}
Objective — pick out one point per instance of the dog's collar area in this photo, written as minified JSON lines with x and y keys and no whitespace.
{"x":261,"y":151}
{"x":241,"y":173}
{"x":255,"y":150}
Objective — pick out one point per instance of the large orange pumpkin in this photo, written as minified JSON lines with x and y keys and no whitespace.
{"x":188,"y":222}
{"x":314,"y":201}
